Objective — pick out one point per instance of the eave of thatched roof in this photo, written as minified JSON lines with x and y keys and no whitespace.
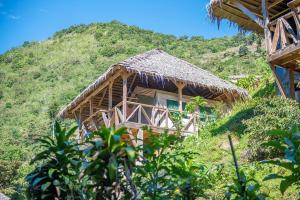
{"x":161,"y":66}
{"x":225,"y":9}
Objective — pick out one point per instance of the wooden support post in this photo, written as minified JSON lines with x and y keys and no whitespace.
{"x":140,"y":141}
{"x":80,"y":124}
{"x":91,"y":106}
{"x":279,"y":83}
{"x":266,"y":21}
{"x":110,"y":86}
{"x":180,"y":86}
{"x":125,"y":76}
{"x":292,"y":82}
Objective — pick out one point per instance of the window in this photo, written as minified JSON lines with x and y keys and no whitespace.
{"x":207,"y":114}
{"x":173,"y":105}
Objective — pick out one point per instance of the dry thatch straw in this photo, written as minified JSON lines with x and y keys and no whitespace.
{"x":225,"y":9}
{"x":159,"y":66}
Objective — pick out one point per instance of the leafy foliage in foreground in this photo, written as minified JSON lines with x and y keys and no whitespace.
{"x":244,"y":189}
{"x":167,"y":171}
{"x":105,"y":167}
{"x":287,"y":142}
{"x":58,"y":166}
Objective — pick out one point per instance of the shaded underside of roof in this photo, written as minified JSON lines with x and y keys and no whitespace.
{"x":225,"y":9}
{"x":158,"y":70}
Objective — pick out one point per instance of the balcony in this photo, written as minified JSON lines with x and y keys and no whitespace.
{"x":139,"y":115}
{"x":283,"y":44}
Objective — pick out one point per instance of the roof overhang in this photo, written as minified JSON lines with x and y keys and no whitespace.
{"x":247,"y":15}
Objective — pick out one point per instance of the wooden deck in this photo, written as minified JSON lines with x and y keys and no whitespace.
{"x":139,"y":115}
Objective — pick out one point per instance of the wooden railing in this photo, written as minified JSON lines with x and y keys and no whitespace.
{"x":141,"y":115}
{"x":285,"y":32}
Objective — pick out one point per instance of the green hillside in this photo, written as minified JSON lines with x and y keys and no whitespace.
{"x":39,"y":78}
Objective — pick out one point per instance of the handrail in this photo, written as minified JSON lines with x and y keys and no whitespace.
{"x":285,"y":33}
{"x":94,"y":114}
{"x":158,"y":117}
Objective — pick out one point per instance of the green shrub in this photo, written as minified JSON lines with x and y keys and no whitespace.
{"x":269,"y":114}
{"x":57,"y":167}
{"x":247,"y":82}
{"x":8,"y":170}
{"x":167,"y":170}
{"x":288,"y":143}
{"x":243,"y":50}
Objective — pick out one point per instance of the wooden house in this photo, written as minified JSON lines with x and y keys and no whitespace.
{"x":278,"y":21}
{"x":145,"y":90}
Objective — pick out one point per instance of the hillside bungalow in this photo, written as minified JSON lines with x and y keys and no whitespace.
{"x":145,"y":90}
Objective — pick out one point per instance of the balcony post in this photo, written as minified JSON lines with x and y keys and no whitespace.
{"x":180,"y":85}
{"x":292,"y":82}
{"x":110,"y":85}
{"x":125,"y":76}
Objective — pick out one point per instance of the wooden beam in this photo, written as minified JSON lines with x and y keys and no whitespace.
{"x":249,"y":14}
{"x":95,"y":92}
{"x":294,"y":4}
{"x":125,"y":76}
{"x":102,"y":98}
{"x":275,"y":38}
{"x":278,"y":81}
{"x":275,"y":3}
{"x":110,"y":91}
{"x":91,"y":106}
{"x":292,"y":82}
{"x":283,"y":36}
{"x":266,"y":21}
{"x":131,"y":85}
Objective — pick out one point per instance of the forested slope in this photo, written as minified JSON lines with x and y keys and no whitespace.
{"x":39,"y":78}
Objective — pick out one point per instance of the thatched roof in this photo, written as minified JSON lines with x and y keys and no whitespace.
{"x":162,"y":67}
{"x":225,"y":9}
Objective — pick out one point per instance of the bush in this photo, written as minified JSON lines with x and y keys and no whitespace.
{"x":288,"y":143}
{"x":8,"y":170}
{"x":243,"y":50}
{"x":269,"y":114}
{"x":247,"y":82}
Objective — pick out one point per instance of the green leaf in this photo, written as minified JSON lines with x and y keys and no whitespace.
{"x":56,"y":182}
{"x":130,"y":152}
{"x":45,"y":186}
{"x":284,"y":185}
{"x":70,"y":132}
{"x":38,"y":180}
{"x":57,"y":128}
{"x":281,"y":133}
{"x":112,"y":169}
{"x":51,"y":171}
{"x":272,"y":177}
{"x":275,"y":144}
